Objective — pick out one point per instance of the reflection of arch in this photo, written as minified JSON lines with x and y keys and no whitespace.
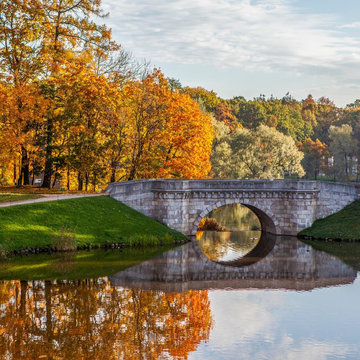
{"x":260,"y":251}
{"x":267,"y":218}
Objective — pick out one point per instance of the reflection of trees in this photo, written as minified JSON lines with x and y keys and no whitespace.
{"x":90,"y":319}
{"x":64,"y":262}
{"x":236,"y":217}
{"x":232,"y":245}
{"x":213,"y":244}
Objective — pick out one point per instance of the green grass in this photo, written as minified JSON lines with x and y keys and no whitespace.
{"x":349,"y":253}
{"x":93,"y":219}
{"x":345,"y":224}
{"x":31,"y":189}
{"x":74,"y":265}
{"x":6,"y":197}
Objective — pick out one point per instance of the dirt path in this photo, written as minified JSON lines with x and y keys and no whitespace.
{"x":47,"y":198}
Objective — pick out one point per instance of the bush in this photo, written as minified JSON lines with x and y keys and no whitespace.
{"x":210,"y":224}
{"x":65,"y":240}
{"x":4,"y":252}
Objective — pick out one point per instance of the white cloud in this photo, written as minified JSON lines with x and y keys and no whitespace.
{"x":267,"y":35}
{"x":354,"y":25}
{"x":272,"y":36}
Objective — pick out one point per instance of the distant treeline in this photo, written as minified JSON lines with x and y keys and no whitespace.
{"x":327,"y":135}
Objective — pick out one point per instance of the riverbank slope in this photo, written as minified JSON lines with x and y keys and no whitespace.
{"x":90,"y":220}
{"x":343,"y":225}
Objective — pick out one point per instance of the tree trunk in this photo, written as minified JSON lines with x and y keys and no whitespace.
{"x":86,"y":181}
{"x":346,"y":169}
{"x":68,"y":178}
{"x":80,"y":182}
{"x":49,"y":157}
{"x":48,"y":307}
{"x":54,"y":182}
{"x":24,"y":168}
{"x":94,"y":183}
{"x":21,"y":173}
{"x":15,"y":175}
{"x":113,"y":171}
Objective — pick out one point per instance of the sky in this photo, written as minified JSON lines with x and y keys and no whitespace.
{"x":247,"y":47}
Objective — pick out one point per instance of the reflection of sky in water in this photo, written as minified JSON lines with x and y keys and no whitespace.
{"x":268,"y":324}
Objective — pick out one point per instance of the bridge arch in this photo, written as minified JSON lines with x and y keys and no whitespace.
{"x":267,"y":218}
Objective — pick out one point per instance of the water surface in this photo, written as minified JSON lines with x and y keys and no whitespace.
{"x":281,"y":299}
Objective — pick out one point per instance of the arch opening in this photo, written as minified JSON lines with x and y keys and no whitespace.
{"x":236,"y":234}
{"x":267,"y":224}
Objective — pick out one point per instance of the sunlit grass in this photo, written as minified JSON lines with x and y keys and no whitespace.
{"x":7,"y":197}
{"x":35,"y":190}
{"x":94,"y":220}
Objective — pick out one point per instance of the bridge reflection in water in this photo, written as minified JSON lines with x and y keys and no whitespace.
{"x":276,"y":262}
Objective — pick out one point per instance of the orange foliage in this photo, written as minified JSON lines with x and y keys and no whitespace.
{"x":226,"y":115}
{"x":316,"y":148}
{"x":167,"y":134}
{"x":92,"y":319}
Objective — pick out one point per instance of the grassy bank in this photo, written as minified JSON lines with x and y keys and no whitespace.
{"x":93,"y":220}
{"x":345,"y":224}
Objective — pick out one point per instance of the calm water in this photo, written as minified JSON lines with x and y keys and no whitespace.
{"x":251,"y":297}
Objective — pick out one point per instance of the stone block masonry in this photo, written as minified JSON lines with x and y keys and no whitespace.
{"x":284,"y":207}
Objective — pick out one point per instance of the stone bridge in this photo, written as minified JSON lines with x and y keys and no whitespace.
{"x":286,"y":264}
{"x":284,"y":207}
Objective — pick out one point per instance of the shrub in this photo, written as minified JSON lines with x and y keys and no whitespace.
{"x":210,"y":224}
{"x":65,"y":240}
{"x":168,"y":238}
{"x":4,"y":252}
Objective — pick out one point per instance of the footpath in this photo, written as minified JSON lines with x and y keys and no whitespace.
{"x":47,"y":198}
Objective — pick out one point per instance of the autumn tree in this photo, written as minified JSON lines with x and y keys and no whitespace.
{"x":166,"y":133}
{"x":342,"y":147}
{"x":251,"y":114}
{"x":327,"y":114}
{"x":222,"y":165}
{"x":208,"y":98}
{"x":224,"y":113}
{"x":20,"y":55}
{"x":68,"y":29}
{"x":315,"y":158}
{"x":264,"y":153}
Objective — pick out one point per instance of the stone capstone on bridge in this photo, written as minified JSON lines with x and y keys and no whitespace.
{"x":284,"y":207}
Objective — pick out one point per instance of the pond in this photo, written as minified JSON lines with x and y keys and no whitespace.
{"x":229,"y":295}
